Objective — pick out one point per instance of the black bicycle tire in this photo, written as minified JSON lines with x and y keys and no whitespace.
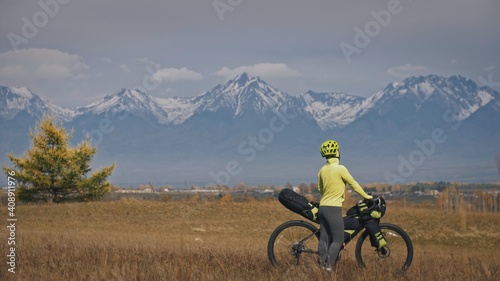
{"x":281,"y":228}
{"x":397,"y":229}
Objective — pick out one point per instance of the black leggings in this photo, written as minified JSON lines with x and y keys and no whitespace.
{"x":331,"y":234}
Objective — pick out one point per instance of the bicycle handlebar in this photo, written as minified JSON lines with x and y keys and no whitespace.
{"x":371,"y":203}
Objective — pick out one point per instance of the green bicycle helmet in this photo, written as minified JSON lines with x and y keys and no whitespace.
{"x":330,"y":148}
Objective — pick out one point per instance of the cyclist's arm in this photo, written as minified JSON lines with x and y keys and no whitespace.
{"x":321,"y":188}
{"x":346,"y":176}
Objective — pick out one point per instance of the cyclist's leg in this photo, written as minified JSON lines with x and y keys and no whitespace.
{"x":324,"y":238}
{"x":337,"y":232}
{"x":332,"y":228}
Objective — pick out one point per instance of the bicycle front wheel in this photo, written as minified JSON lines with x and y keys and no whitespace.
{"x":396,"y":255}
{"x":293,"y":243}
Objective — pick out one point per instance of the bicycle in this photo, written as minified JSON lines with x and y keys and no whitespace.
{"x":296,"y":242}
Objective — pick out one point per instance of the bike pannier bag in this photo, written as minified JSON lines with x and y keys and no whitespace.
{"x":376,"y":238}
{"x":298,"y":204}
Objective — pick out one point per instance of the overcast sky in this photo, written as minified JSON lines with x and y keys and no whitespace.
{"x":74,"y":52}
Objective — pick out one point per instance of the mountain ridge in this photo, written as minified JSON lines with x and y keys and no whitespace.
{"x":272,"y":135}
{"x":251,"y":94}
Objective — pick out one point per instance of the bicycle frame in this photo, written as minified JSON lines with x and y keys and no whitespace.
{"x":354,"y":234}
{"x":317,"y":233}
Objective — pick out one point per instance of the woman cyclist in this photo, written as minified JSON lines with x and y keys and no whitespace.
{"x":332,"y":178}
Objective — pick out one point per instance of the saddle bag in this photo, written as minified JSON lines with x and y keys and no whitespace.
{"x":299,"y":204}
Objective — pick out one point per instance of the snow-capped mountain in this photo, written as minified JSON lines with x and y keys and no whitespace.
{"x":331,"y":110}
{"x":460,"y":95}
{"x":243,"y":94}
{"x":239,"y":96}
{"x":14,"y":100}
{"x":179,"y":109}
{"x":132,"y":101}
{"x":251,"y":95}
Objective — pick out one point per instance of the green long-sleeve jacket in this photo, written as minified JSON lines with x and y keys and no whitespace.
{"x":332,"y":178}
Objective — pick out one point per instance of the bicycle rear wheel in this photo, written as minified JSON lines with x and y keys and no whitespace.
{"x":395,"y":256}
{"x":293,"y":243}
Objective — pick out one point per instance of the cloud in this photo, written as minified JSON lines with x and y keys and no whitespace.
{"x":40,"y":64}
{"x":145,"y":61}
{"x":106,"y":59}
{"x":268,"y":70}
{"x":175,"y":74}
{"x":125,"y":67}
{"x":407,"y":70}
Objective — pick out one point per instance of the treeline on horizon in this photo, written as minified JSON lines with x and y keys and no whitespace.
{"x":439,"y":186}
{"x":450,"y":196}
{"x":311,"y":187}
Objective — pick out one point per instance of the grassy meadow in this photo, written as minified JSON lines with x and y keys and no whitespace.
{"x":213,"y":240}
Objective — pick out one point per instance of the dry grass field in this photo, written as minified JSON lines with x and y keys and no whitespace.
{"x":213,"y":240}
